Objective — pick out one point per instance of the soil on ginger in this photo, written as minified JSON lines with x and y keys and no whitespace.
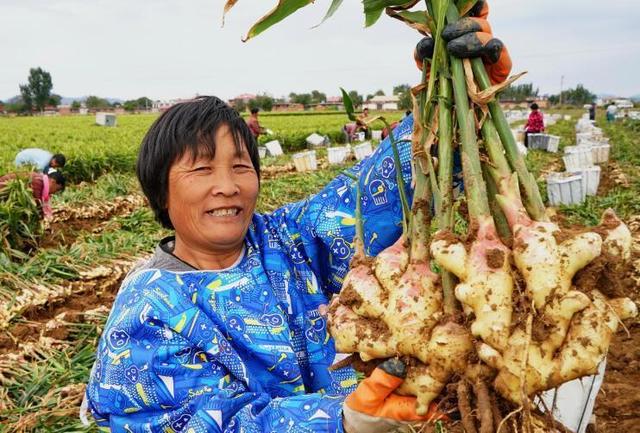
{"x":618,"y":404}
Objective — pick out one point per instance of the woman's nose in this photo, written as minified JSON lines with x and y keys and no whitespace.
{"x":224,"y":183}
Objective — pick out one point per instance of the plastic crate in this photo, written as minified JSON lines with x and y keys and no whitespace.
{"x":565,"y":188}
{"x":537,"y":141}
{"x":305,"y":161}
{"x":316,"y":140}
{"x":553,"y":143}
{"x":363,"y":150}
{"x":600,"y":153}
{"x":590,"y":179}
{"x":274,"y":148}
{"x":376,"y":135}
{"x":337,"y":155}
{"x":547,"y":142}
{"x":577,"y":157}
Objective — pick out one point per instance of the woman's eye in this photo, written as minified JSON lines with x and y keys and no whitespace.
{"x":201,"y":168}
{"x":242,"y":167}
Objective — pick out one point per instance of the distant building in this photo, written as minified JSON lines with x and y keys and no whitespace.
{"x":382,"y":102}
{"x":162,"y":106}
{"x":244,"y":97}
{"x":332,"y":103}
{"x":508,"y":104}
{"x":287,"y":106}
{"x":64,"y":110}
{"x":623,"y":103}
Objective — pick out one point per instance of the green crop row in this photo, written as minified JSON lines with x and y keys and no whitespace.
{"x":93,"y":150}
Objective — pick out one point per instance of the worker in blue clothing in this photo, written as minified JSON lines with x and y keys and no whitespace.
{"x":222,"y":329}
{"x":43,"y":160}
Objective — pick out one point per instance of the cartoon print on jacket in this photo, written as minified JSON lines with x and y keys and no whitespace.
{"x":246,"y":348}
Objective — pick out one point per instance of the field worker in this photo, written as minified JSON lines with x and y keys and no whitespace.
{"x":222,"y":329}
{"x":361,"y":123}
{"x":42,"y":187}
{"x":349,"y":130}
{"x":612,"y":110}
{"x":254,"y":124}
{"x":535,"y":123}
{"x":44,"y":161}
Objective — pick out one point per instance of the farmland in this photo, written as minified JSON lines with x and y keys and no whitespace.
{"x":54,"y":302}
{"x":93,"y":151}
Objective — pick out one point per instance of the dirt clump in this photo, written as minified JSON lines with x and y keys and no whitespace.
{"x":495,"y":258}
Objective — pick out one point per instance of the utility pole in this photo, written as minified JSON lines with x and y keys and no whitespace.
{"x":561,"y":87}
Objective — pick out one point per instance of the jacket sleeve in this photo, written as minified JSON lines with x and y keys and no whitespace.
{"x":322,"y":227}
{"x":163,"y":365}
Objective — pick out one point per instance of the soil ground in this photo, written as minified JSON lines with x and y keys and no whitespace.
{"x":618,"y":404}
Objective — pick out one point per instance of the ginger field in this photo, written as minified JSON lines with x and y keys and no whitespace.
{"x":93,"y":150}
{"x":54,"y":301}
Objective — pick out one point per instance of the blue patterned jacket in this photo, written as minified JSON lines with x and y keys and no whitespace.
{"x":245,"y":349}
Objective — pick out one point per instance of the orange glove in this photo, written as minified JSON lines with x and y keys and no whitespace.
{"x":374,"y":408}
{"x":472,"y":37}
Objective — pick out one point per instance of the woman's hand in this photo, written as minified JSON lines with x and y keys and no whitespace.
{"x":471,"y":37}
{"x":374,"y":408}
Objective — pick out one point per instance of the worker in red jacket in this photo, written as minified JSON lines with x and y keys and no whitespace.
{"x":42,"y":187}
{"x":535,"y":123}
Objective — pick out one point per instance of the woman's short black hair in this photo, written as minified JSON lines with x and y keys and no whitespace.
{"x":59,"y":178}
{"x":60,"y":159}
{"x":534,"y":106}
{"x":186,"y":127}
{"x":255,"y":110}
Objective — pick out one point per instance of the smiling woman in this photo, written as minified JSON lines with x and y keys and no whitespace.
{"x":223,"y":328}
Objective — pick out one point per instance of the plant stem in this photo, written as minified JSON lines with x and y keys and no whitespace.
{"x":499,"y":218}
{"x":358,"y":240}
{"x":472,"y":171}
{"x":399,"y":180}
{"x":445,"y":153}
{"x":444,"y":192}
{"x":533,"y":200}
{"x":420,"y":218}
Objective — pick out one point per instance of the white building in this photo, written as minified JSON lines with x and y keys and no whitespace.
{"x":162,"y":106}
{"x":382,"y":102}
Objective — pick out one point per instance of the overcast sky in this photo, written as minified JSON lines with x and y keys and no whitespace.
{"x":177,"y":48}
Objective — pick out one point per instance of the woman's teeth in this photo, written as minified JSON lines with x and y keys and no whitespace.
{"x":223,"y":212}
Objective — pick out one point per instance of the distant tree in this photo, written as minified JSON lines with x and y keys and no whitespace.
{"x":39,"y":87}
{"x":264,"y":102}
{"x":578,"y":96}
{"x":403,"y":91}
{"x":318,"y":97}
{"x":130,"y":105}
{"x":144,"y":103}
{"x":54,"y":100}
{"x":378,"y":92}
{"x":75,"y":105}
{"x":356,"y":98}
{"x":96,"y":103}
{"x":302,"y":98}
{"x":519,"y":93}
{"x":16,"y":107}
{"x":240,"y":105}
{"x":26,"y":100}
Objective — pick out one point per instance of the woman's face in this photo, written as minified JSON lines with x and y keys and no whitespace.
{"x":211,"y":201}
